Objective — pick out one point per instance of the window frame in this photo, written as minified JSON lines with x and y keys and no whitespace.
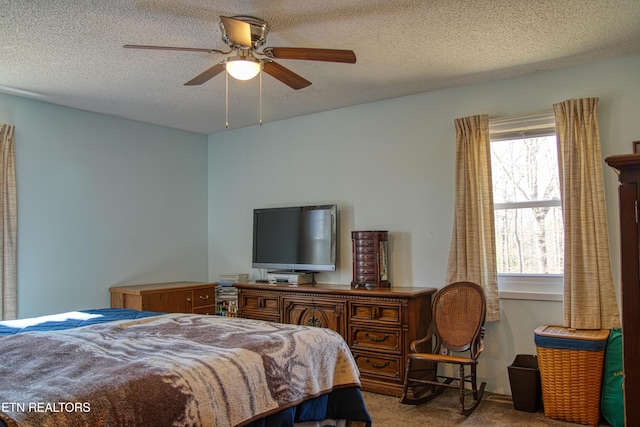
{"x":541,"y":287}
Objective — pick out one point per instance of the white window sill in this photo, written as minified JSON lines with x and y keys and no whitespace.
{"x":537,"y":296}
{"x":531,"y":287}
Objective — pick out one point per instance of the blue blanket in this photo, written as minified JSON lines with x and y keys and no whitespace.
{"x":69,"y":320}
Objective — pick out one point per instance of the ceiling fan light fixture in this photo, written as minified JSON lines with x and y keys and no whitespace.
{"x":243,"y":67}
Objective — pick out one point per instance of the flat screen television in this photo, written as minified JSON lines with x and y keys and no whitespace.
{"x":300,"y":238}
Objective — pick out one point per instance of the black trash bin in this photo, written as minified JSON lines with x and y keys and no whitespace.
{"x":524,"y":378}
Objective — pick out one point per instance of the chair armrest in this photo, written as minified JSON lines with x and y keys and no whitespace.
{"x":417,"y":344}
{"x":479,"y":344}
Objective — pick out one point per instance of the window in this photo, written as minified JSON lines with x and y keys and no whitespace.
{"x":528,"y":212}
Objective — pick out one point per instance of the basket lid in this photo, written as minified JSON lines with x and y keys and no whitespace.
{"x":578,"y":334}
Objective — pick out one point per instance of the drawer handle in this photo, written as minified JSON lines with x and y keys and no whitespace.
{"x":314,"y":321}
{"x":204,"y":297}
{"x":188,"y":299}
{"x":374,"y":339}
{"x":376,"y":365}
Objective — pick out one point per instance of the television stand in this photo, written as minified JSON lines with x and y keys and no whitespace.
{"x":291,"y":277}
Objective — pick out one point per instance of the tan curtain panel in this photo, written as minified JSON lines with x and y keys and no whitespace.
{"x":589,"y":296}
{"x":472,"y":256}
{"x":9,"y":213}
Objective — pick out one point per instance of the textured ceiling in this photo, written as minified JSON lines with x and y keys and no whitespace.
{"x":69,"y":52}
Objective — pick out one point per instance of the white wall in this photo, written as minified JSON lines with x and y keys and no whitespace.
{"x":390,"y":165}
{"x":103,"y":201}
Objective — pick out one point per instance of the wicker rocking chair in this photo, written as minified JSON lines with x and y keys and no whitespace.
{"x":457,"y":326}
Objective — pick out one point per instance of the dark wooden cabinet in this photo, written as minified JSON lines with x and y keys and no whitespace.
{"x":172,"y":297}
{"x":378,"y":324}
{"x":370,"y":258}
{"x":313,"y":311}
{"x":628,"y":167}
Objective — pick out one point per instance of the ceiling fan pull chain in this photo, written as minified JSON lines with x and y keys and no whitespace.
{"x":226,"y":101}
{"x":260,"y":97}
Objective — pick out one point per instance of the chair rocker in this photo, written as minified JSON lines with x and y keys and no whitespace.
{"x":457,"y":326}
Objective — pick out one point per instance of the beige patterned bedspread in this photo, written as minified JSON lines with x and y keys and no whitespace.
{"x":174,"y":369}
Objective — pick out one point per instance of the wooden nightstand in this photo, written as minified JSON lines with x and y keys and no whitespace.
{"x":173,"y":297}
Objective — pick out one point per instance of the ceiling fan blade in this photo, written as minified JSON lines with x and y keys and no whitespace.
{"x":285,"y":75}
{"x":206,"y":76}
{"x":311,"y":54}
{"x":238,"y":32}
{"x":185,"y":49}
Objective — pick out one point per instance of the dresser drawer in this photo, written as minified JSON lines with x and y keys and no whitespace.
{"x":378,"y":365}
{"x":366,"y":257}
{"x":209,"y":309}
{"x":367,"y":338}
{"x":168,"y":302}
{"x":363,"y":244}
{"x":257,"y":315}
{"x":204,"y":296}
{"x":365,"y":278}
{"x":260,"y":302}
{"x":365,"y":251}
{"x":384,"y":314}
{"x":366,"y":274}
{"x":365,"y":267}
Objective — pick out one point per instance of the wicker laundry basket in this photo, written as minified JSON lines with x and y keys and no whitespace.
{"x":571,"y":364}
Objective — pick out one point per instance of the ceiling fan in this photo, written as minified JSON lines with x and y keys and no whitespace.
{"x":245,"y":35}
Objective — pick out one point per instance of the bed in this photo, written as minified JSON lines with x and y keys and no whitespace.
{"x":121,"y":367}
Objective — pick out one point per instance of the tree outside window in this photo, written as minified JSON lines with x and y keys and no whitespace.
{"x":528,"y":213}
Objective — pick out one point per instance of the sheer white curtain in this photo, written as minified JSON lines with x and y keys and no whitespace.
{"x":9,"y":213}
{"x":589,"y":296}
{"x":472,"y":256}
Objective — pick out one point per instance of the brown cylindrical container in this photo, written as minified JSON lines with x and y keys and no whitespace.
{"x":369,"y":249}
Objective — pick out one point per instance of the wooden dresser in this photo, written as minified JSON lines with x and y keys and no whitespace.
{"x":173,"y":297}
{"x":378,"y":324}
{"x":628,"y":167}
